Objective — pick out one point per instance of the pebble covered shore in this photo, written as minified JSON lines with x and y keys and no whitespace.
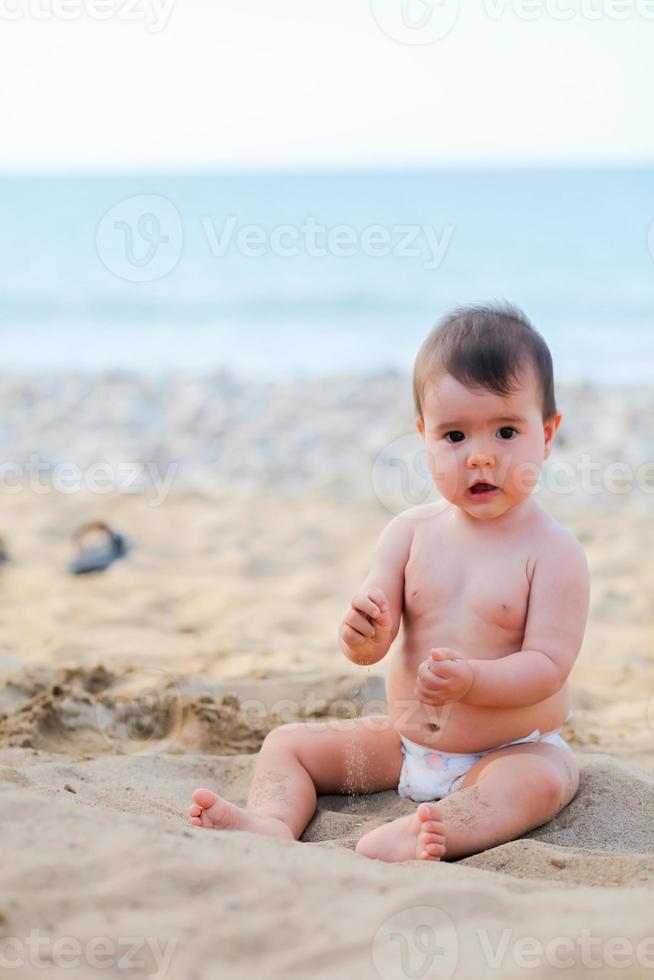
{"x":340,"y":436}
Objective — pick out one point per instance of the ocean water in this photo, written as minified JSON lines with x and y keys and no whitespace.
{"x":281,"y":276}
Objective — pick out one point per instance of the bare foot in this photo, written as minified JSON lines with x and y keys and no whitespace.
{"x":215,"y":813}
{"x":419,"y":836}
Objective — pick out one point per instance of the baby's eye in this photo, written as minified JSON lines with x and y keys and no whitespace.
{"x":507,"y":432}
{"x":454,"y":436}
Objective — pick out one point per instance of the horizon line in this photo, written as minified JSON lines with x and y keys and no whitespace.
{"x":217,"y":169}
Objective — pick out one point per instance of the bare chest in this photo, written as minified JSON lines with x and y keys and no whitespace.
{"x":467,"y":589}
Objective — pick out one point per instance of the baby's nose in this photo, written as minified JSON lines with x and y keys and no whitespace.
{"x":481,"y":458}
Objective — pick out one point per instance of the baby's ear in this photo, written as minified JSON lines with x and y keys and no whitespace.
{"x":550,"y":427}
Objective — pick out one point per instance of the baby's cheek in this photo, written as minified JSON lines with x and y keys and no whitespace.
{"x":524,"y":477}
{"x":445,"y":475}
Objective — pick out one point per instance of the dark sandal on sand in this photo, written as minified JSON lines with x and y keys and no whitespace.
{"x":4,"y":554}
{"x":97,"y":557}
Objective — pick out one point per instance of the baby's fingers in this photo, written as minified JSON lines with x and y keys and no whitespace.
{"x":443,"y":655}
{"x":360,"y":623}
{"x":377,"y":596}
{"x":442,"y":668}
{"x":429,"y":681}
{"x":433,"y":672}
{"x":351,"y":636}
{"x":433,"y":698}
{"x":363,"y":604}
{"x":431,"y":690}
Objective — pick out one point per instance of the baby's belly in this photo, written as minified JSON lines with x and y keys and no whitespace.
{"x":461,"y":727}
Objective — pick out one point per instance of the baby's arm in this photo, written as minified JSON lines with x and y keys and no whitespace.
{"x":372,"y":621}
{"x":556,"y":620}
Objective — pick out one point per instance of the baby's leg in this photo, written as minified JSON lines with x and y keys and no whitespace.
{"x":299,"y":761}
{"x":504,"y":795}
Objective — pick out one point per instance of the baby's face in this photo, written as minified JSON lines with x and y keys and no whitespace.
{"x":477,"y":437}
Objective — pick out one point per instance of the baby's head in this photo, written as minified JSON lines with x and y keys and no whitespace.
{"x":485,"y":406}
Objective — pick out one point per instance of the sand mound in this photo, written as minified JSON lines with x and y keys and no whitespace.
{"x":96,"y":771}
{"x":112,"y":740}
{"x":77,"y":711}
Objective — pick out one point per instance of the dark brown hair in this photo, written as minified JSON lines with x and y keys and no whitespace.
{"x":485,"y":347}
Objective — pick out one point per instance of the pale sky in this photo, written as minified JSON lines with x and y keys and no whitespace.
{"x":318,"y":83}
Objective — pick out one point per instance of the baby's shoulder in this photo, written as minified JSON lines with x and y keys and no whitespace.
{"x":557,"y":546}
{"x":425,"y":520}
{"x":551,"y":533}
{"x":433,"y":512}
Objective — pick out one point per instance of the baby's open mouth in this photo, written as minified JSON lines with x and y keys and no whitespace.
{"x":478,"y":488}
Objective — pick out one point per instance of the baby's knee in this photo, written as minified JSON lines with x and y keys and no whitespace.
{"x":571,"y":781}
{"x":549,"y":789}
{"x":286,"y":735}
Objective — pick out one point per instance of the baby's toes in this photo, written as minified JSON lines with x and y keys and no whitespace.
{"x":432,"y":827}
{"x":431,"y":842}
{"x":430,"y":813}
{"x":427,"y":839}
{"x":194,"y":810}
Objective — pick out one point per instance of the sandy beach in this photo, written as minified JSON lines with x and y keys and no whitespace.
{"x":253,"y":521}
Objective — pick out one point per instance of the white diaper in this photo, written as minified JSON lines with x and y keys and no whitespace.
{"x":428,"y":774}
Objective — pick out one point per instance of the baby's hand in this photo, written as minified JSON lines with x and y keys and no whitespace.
{"x":366,"y":626}
{"x":443,"y":677}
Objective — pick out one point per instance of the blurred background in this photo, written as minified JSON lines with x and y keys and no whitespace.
{"x":286,"y":191}
{"x":226,"y":228}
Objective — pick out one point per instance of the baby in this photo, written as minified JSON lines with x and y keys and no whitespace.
{"x":492,"y":595}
